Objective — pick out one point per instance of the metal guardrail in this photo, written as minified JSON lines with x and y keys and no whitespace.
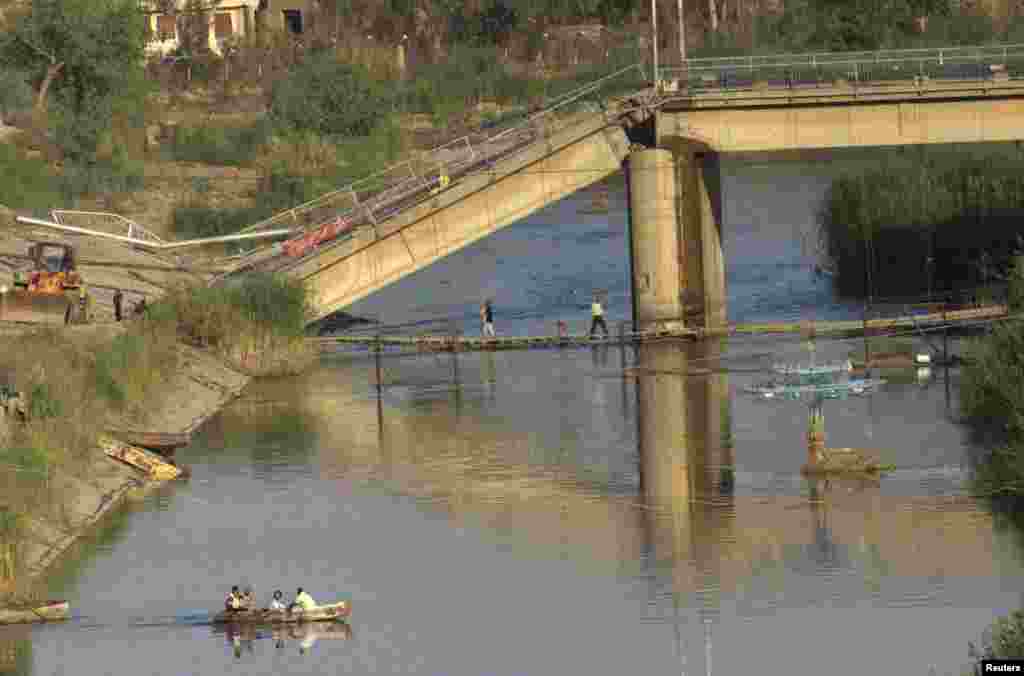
{"x":973,"y":63}
{"x":108,"y":222}
{"x":368,"y":199}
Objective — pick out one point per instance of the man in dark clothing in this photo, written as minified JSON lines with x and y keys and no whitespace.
{"x":488,"y":317}
{"x":118,"y":300}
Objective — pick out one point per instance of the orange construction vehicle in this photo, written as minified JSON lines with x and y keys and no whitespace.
{"x":50,"y":293}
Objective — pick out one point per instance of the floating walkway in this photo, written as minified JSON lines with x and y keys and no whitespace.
{"x":858,"y":327}
{"x":449,"y":343}
{"x":442,"y":343}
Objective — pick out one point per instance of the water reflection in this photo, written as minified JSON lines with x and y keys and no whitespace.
{"x":242,"y":638}
{"x":841,"y":542}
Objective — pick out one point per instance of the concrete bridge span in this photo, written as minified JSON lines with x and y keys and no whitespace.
{"x":588,"y":150}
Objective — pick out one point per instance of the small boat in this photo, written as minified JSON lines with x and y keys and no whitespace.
{"x":52,"y":611}
{"x":323,"y":613}
{"x":152,"y":464}
{"x":154,"y":440}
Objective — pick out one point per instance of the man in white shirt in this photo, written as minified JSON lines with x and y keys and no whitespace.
{"x":277,"y":603}
{"x":597,"y":317}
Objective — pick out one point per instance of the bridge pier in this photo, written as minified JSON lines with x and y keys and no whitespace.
{"x":675,"y":216}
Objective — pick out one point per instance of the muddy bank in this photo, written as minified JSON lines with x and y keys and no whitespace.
{"x":201,"y":387}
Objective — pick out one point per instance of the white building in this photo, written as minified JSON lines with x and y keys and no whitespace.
{"x":228,"y":19}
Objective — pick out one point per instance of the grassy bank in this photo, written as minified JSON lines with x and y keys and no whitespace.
{"x":953,"y":221}
{"x":78,"y":382}
{"x":257,"y":326}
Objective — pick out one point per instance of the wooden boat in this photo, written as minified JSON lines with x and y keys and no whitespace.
{"x":155,"y":467}
{"x":323,"y":613}
{"x":50,"y":612}
{"x":155,"y":440}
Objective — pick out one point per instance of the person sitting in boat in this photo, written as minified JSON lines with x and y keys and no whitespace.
{"x":303,"y":601}
{"x":233,"y":602}
{"x":277,"y":603}
{"x":249,"y":599}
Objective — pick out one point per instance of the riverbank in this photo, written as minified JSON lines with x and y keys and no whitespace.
{"x":98,"y":484}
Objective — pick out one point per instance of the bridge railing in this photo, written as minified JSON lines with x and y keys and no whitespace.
{"x":794,"y":70}
{"x":382,"y":194}
{"x":115,"y":224}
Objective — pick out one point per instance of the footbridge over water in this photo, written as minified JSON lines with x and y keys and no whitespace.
{"x":668,"y":138}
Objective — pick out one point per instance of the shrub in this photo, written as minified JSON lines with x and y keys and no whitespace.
{"x":328,"y":97}
{"x":257,"y":324}
{"x":992,"y":385}
{"x":1003,"y":640}
{"x":218,"y":144}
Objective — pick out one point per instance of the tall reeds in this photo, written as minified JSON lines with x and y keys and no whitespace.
{"x":931,"y":227}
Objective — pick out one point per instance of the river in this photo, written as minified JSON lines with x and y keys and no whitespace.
{"x":545,"y":512}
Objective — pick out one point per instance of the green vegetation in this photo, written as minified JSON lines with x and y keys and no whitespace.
{"x":328,"y":97}
{"x":26,"y":183}
{"x":223,"y":145}
{"x":87,"y":58}
{"x":258,"y":325}
{"x":1003,"y":640}
{"x":76,"y":383}
{"x":963,"y":214}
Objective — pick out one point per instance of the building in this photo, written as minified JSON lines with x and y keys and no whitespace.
{"x":226,"y":20}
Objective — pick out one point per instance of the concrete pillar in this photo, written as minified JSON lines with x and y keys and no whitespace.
{"x":654,"y":235}
{"x":700,"y":217}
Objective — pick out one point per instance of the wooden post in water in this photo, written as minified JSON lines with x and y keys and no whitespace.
{"x":377,"y":347}
{"x":867,"y":350}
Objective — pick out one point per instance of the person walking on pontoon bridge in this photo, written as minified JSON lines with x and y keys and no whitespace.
{"x":277,"y":603}
{"x":487,"y":317}
{"x":597,"y":317}
{"x":303,"y":601}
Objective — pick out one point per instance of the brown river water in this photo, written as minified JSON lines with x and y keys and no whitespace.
{"x":547,"y":512}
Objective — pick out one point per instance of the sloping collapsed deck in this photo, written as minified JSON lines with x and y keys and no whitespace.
{"x":448,"y":343}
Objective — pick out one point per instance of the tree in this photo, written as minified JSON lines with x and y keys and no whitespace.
{"x":328,"y":97}
{"x":79,"y":49}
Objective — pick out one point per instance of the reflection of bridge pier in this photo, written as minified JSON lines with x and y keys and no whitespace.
{"x":686,"y":465}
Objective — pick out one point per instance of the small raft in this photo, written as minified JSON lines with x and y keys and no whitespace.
{"x":324,"y":613}
{"x":53,"y":611}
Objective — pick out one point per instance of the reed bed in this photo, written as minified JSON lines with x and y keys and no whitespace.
{"x":939,"y":227}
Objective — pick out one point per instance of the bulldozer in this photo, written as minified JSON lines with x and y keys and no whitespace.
{"x":51,"y":292}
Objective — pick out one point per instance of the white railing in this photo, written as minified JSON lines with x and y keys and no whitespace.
{"x":107,"y":222}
